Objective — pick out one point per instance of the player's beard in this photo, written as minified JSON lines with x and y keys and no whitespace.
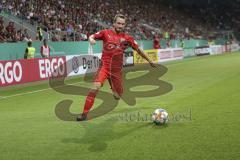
{"x":118,"y":30}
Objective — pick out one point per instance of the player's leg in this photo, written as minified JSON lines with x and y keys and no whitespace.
{"x":98,"y":82}
{"x":116,"y":83}
{"x":115,"y":91}
{"x":91,"y":96}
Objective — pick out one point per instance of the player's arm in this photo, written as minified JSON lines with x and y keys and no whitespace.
{"x":97,"y":36}
{"x":135,"y":46}
{"x":91,"y":40}
{"x":143,"y":55}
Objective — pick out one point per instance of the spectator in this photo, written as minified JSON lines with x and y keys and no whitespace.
{"x":182,"y":43}
{"x":30,"y":51}
{"x":1,"y":7}
{"x":45,"y":49}
{"x":156,"y":42}
{"x":39,"y":33}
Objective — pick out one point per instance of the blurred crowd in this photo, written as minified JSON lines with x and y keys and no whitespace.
{"x":218,"y":15}
{"x":75,"y":20}
{"x":8,"y":33}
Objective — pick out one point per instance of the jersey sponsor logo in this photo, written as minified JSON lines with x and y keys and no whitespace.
{"x":122,"y":40}
{"x":110,"y":46}
{"x":10,"y":72}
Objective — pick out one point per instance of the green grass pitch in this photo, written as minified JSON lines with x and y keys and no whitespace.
{"x":204,"y":108}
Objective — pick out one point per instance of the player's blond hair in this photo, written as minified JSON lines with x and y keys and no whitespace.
{"x":119,"y":16}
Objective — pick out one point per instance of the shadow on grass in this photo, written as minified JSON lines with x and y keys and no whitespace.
{"x":97,"y":136}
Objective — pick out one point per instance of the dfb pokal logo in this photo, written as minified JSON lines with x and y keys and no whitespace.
{"x":75,"y":64}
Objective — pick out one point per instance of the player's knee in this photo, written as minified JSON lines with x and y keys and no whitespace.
{"x":96,"y":86}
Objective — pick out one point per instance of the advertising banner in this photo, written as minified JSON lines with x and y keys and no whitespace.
{"x":235,"y":47}
{"x":152,"y":54}
{"x":128,"y":59}
{"x":203,"y":50}
{"x":170,"y":54}
{"x":23,"y":71}
{"x":216,"y":49}
{"x":82,"y":64}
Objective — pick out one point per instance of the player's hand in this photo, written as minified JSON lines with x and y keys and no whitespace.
{"x":152,"y":64}
{"x":92,"y":41}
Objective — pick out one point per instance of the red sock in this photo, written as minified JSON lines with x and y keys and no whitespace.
{"x":89,"y":101}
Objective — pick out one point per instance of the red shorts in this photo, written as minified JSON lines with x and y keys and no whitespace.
{"x":114,"y":78}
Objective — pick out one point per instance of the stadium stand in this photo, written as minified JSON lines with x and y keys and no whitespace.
{"x":75,"y":20}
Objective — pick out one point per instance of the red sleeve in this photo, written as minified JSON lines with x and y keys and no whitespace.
{"x":99,"y":35}
{"x":132,"y":43}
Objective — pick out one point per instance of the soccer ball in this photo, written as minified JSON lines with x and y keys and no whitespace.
{"x":160,"y":116}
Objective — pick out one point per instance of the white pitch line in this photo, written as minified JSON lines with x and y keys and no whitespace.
{"x":40,"y":90}
{"x":20,"y":94}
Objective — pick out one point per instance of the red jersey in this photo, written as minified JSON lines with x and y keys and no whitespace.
{"x":113,"y":47}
